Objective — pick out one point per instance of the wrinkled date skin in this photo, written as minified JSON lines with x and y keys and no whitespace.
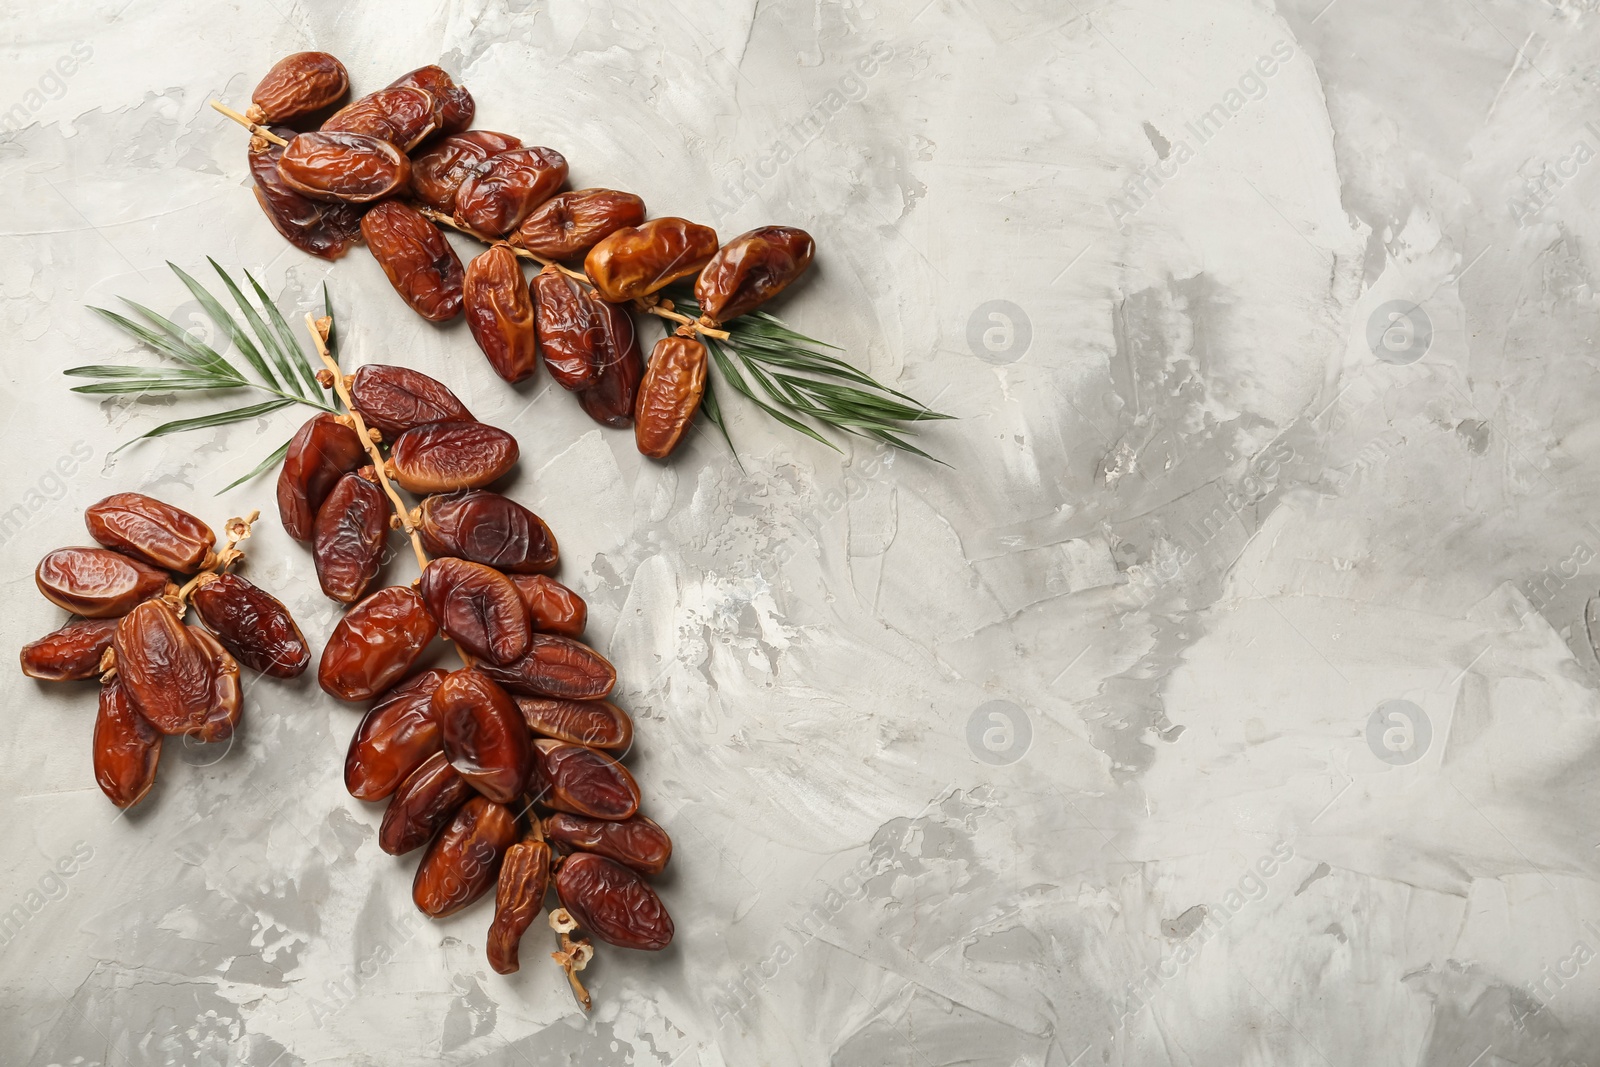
{"x":322,"y":228}
{"x":453,"y":103}
{"x":477,"y":607}
{"x":487,"y":528}
{"x":167,"y":673}
{"x":674,"y":383}
{"x":425,"y":801}
{"x":227,"y":698}
{"x":752,"y":269}
{"x":321,"y":453}
{"x":556,"y":667}
{"x":636,"y":261}
{"x":417,"y":259}
{"x":567,"y":226}
{"x":97,"y":583}
{"x":552,"y":607}
{"x":396,"y":736}
{"x":582,"y":781}
{"x":463,"y":861}
{"x":485,"y":738}
{"x":403,"y":116}
{"x":394,"y":399}
{"x":613,"y":902}
{"x":126,"y":747}
{"x":518,"y":899}
{"x":355,"y":168}
{"x":581,"y":336}
{"x":610,"y":400}
{"x":253,"y":625}
{"x":299,"y":85}
{"x":498,"y":195}
{"x":500,"y":313}
{"x":147,"y":529}
{"x":437,"y":174}
{"x":592,"y":723}
{"x":443,"y":457}
{"x":375,"y":644}
{"x":71,"y":653}
{"x":348,"y":539}
{"x":637,"y":842}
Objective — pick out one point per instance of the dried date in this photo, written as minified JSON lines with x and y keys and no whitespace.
{"x":484,"y":736}
{"x":97,"y":583}
{"x":454,"y":104}
{"x":397,"y":735}
{"x":252,"y":624}
{"x":402,"y":115}
{"x":519,"y":897}
{"x":586,"y":342}
{"x":552,"y":607}
{"x":423,"y":804}
{"x":613,"y":902}
{"x":565,"y":227}
{"x":416,"y":258}
{"x":579,"y":780}
{"x":394,"y":399}
{"x":477,"y":607}
{"x":611,"y":399}
{"x":500,"y":193}
{"x":348,"y":539}
{"x":637,"y":842}
{"x":442,"y":457}
{"x":487,"y":528}
{"x":375,"y":644}
{"x":592,"y":723}
{"x":752,"y":269}
{"x":437,"y":174}
{"x":674,"y":383}
{"x":168,"y":673}
{"x":556,"y":667}
{"x":321,"y":453}
{"x":354,"y":168}
{"x":227,"y":698}
{"x":463,"y":861}
{"x":150,"y":530}
{"x":322,"y":228}
{"x":500,"y":313}
{"x":71,"y":653}
{"x":298,"y":85}
{"x":126,"y":747}
{"x":636,"y":261}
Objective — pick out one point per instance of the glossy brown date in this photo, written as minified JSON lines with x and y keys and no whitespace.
{"x":299,"y":85}
{"x":593,"y":723}
{"x":565,"y":227}
{"x":443,"y":457}
{"x":170,"y":674}
{"x":463,"y":861}
{"x":484,"y":736}
{"x":500,"y":313}
{"x":752,"y":269}
{"x":422,"y":805}
{"x":71,"y":653}
{"x":252,"y":624}
{"x":126,"y":747}
{"x":477,"y":607}
{"x":321,"y":453}
{"x":569,"y":324}
{"x":97,"y":583}
{"x":453,"y":102}
{"x":637,"y":842}
{"x":355,"y":168}
{"x":227,"y":698}
{"x":556,"y":667}
{"x":674,"y":383}
{"x":437,"y":174}
{"x":611,"y":399}
{"x":394,"y":399}
{"x":636,"y":261}
{"x":322,"y":228}
{"x":487,"y":528}
{"x":613,"y":902}
{"x":500,"y":193}
{"x":552,"y":607}
{"x":416,"y":258}
{"x":148,"y":529}
{"x":375,"y":644}
{"x":402,"y":115}
{"x":579,"y":780}
{"x":397,"y":735}
{"x":518,"y":900}
{"x":348,"y":539}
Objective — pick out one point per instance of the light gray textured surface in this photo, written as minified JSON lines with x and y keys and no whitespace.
{"x":1082,"y":751}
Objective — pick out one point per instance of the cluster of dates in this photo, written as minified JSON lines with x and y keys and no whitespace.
{"x":504,"y":770}
{"x":383,"y":167}
{"x":159,"y":675}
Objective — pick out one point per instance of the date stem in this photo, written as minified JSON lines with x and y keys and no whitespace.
{"x":254,"y":127}
{"x":574,"y":955}
{"x":217,"y":563}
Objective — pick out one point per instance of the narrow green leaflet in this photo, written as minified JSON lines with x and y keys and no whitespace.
{"x":271,"y":461}
{"x":201,"y":422}
{"x":286,"y":336}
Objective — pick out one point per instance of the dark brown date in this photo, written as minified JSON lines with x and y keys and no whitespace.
{"x":518,"y":900}
{"x":402,"y":115}
{"x":637,"y":842}
{"x":252,"y":624}
{"x":500,"y":193}
{"x":567,"y":226}
{"x":579,"y":780}
{"x":453,"y":102}
{"x":593,"y":723}
{"x":394,"y":399}
{"x":487,"y":528}
{"x":417,"y":259}
{"x":227,"y":698}
{"x":355,"y":168}
{"x":443,"y":457}
{"x":147,"y":529}
{"x":422,"y":805}
{"x":613,"y":902}
{"x":375,"y":644}
{"x":71,"y":653}
{"x":463,"y":861}
{"x":126,"y":747}
{"x":477,"y":607}
{"x":500,"y":313}
{"x":169,"y":674}
{"x":97,"y":583}
{"x":348,"y":539}
{"x":320,"y":454}
{"x":484,"y":736}
{"x":569,"y":329}
{"x":397,"y":735}
{"x":636,"y":261}
{"x":556,"y":667}
{"x":298,"y":85}
{"x":610,"y":400}
{"x":552,"y":607}
{"x":752,"y":269}
{"x":674,"y":384}
{"x":322,"y":228}
{"x":437,"y":173}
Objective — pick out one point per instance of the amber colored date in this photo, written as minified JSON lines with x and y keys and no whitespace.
{"x":355,"y":168}
{"x":500,"y":313}
{"x":565,"y":227}
{"x":417,"y":259}
{"x":552,"y":607}
{"x":299,"y":85}
{"x":397,"y":735}
{"x":488,"y":528}
{"x":167,"y":673}
{"x":454,"y":104}
{"x":71,"y":653}
{"x":252,"y":624}
{"x":422,"y":805}
{"x":347,"y":541}
{"x":375,"y":644}
{"x":637,"y":842}
{"x":498,"y":195}
{"x":519,"y":897}
{"x":96,"y":583}
{"x":556,"y":667}
{"x":592,"y":723}
{"x":674,"y":383}
{"x":463,"y":861}
{"x":150,"y":530}
{"x":477,"y":607}
{"x":227,"y":698}
{"x":437,"y":174}
{"x":636,"y":261}
{"x":320,"y":454}
{"x":581,"y":781}
{"x":402,"y":115}
{"x":443,"y":457}
{"x":610,"y":400}
{"x":394,"y":399}
{"x":613,"y":902}
{"x":752,"y":269}
{"x":320,"y":227}
{"x":126,"y":747}
{"x":484,"y":736}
